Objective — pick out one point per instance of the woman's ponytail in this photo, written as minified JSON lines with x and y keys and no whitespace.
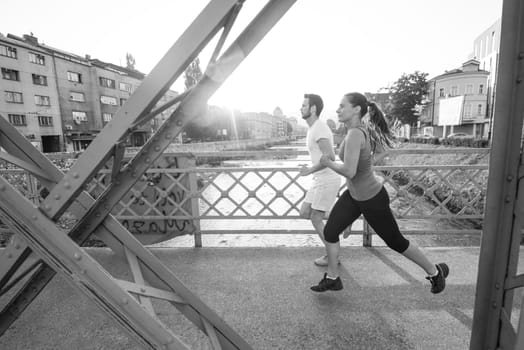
{"x":376,"y":124}
{"x":380,"y":134}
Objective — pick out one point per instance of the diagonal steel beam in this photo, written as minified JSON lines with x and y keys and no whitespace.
{"x":82,"y":271}
{"x":115,"y":235}
{"x":189,"y":108}
{"x":152,"y":88}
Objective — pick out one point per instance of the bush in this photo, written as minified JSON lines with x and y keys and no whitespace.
{"x":465,"y":142}
{"x":430,"y":140}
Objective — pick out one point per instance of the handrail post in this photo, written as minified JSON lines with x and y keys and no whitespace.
{"x":195,"y":210}
{"x":367,"y":235}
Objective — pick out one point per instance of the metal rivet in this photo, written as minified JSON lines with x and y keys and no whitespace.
{"x":125,"y":301}
{"x":2,"y":187}
{"x":143,"y":290}
{"x":497,"y":285}
{"x":57,"y":196}
{"x":67,"y":185}
{"x":77,"y":256}
{"x":17,"y":246}
{"x":519,"y":81}
{"x":510,"y":178}
{"x":168,"y":136}
{"x":494,"y":305}
{"x":75,"y":175}
{"x":148,"y":160}
{"x":9,"y":256}
{"x":47,"y":207}
{"x":133,"y":174}
{"x":98,"y":215}
{"x":507,"y":199}
{"x":34,"y":217}
{"x":83,"y":271}
{"x":157,"y":148}
{"x":179,"y":123}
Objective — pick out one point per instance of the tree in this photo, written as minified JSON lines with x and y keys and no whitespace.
{"x":130,"y":61}
{"x":198,"y":128}
{"x":406,"y":93}
{"x":289,"y":128}
{"x":192,"y":74}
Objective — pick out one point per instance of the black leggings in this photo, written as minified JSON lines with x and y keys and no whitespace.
{"x":377,"y":213}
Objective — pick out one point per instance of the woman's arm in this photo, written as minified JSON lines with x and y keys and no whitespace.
{"x":352,"y":145}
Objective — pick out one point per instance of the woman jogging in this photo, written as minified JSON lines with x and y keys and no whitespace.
{"x":365,"y":194}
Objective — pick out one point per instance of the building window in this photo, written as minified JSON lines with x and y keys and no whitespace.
{"x":17,"y":119}
{"x":42,"y":100}
{"x":39,"y":79}
{"x":467,"y":111}
{"x":481,"y":89}
{"x":74,"y":77}
{"x":454,"y":90}
{"x":108,"y":100}
{"x":108,"y":83}
{"x":45,"y":121}
{"x":77,"y":96}
{"x":122,"y":101}
{"x":10,"y":74}
{"x":469,"y":89}
{"x":8,"y":51}
{"x":479,"y":109}
{"x":37,"y":58}
{"x":107,"y":117}
{"x":79,"y":117}
{"x":125,"y":87}
{"x":13,"y":97}
{"x":441,"y":93}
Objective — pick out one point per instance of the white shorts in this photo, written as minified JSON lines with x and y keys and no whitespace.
{"x":323,"y":193}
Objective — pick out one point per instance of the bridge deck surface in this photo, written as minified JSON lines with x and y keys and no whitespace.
{"x":263,"y":293}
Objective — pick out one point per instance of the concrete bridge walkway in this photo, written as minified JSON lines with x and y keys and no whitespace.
{"x":263,"y":293}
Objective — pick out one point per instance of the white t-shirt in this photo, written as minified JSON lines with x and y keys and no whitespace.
{"x":319,"y":130}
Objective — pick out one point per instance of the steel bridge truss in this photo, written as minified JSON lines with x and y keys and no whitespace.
{"x":37,"y":235}
{"x":498,"y":276}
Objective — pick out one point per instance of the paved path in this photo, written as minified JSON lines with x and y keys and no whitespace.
{"x":263,"y":293}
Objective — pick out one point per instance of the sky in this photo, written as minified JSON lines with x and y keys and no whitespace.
{"x":328,"y":47}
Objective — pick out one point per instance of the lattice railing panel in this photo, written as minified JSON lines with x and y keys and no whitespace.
{"x":416,"y":192}
{"x":436,"y":191}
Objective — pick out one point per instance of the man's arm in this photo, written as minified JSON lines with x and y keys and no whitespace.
{"x":327,"y":150}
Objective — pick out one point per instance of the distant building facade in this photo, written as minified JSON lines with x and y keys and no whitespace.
{"x":61,"y":101}
{"x":457,"y":101}
{"x":486,"y":49}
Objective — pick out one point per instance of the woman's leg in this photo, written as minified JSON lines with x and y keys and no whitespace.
{"x":379,"y":216}
{"x":343,"y":214}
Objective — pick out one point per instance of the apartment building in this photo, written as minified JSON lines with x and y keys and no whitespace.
{"x":457,"y":101}
{"x":30,"y":99}
{"x":61,"y":101}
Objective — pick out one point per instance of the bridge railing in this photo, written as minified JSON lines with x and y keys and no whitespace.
{"x":177,"y":197}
